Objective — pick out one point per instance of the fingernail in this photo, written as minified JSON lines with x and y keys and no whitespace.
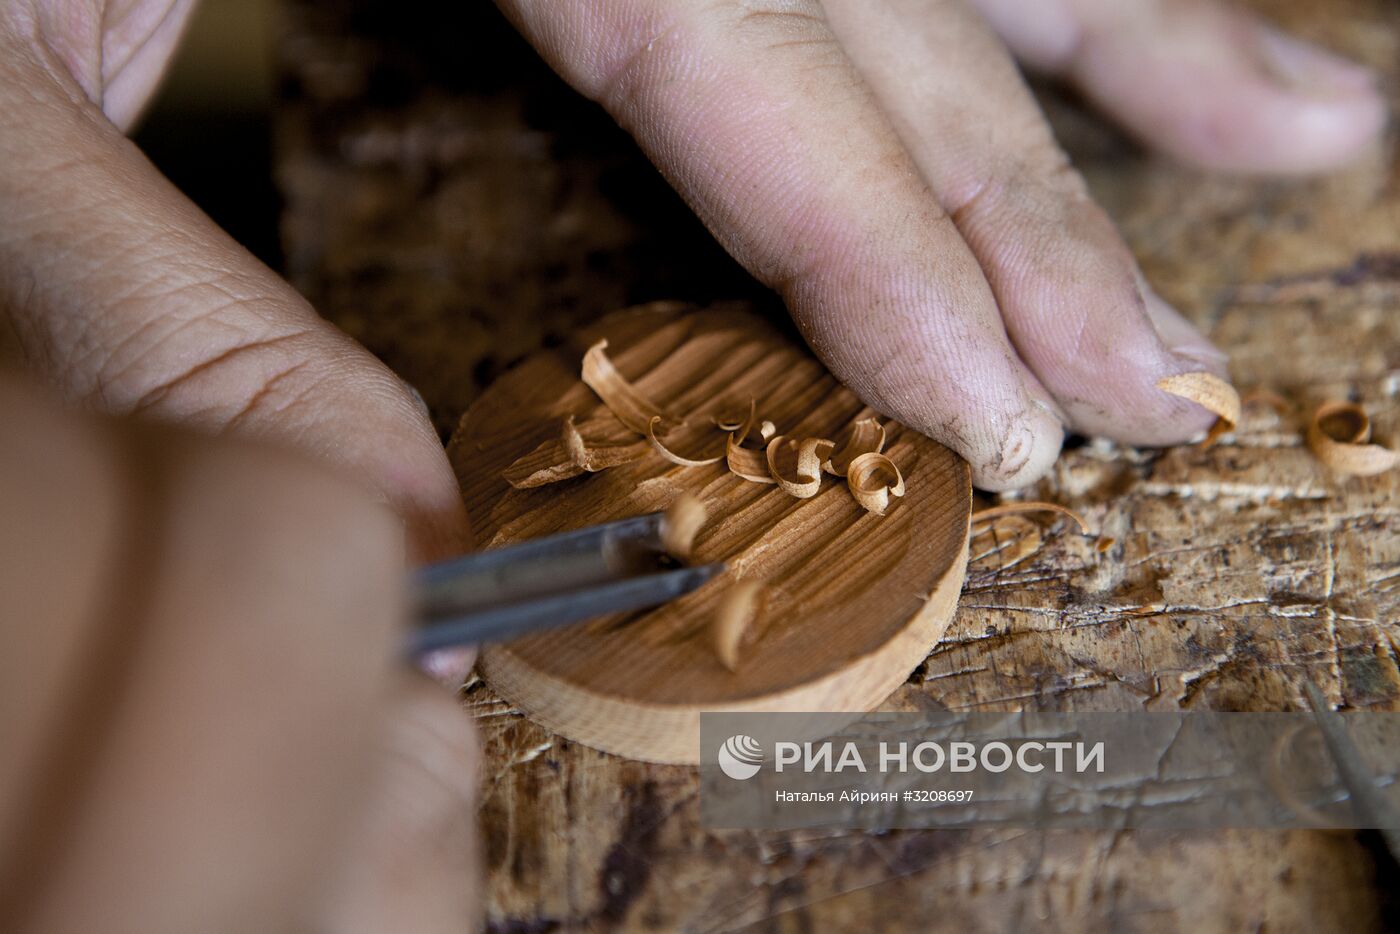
{"x":1307,"y":68}
{"x":1182,"y":337}
{"x":1053,"y":408}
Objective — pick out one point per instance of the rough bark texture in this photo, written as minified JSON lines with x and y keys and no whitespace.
{"x":453,"y":206}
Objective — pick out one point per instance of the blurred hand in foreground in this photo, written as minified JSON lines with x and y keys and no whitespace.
{"x":205,"y":723}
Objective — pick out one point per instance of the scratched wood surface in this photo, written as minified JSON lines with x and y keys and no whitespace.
{"x":451,"y":205}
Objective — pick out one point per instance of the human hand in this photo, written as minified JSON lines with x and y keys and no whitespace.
{"x":882,"y":165}
{"x":260,"y":686}
{"x":205,"y":721}
{"x":127,"y":299}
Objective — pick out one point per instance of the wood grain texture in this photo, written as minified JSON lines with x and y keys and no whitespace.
{"x":851,"y":602}
{"x":456,"y":212}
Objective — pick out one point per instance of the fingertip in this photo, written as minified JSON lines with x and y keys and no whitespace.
{"x":1273,"y":130}
{"x":1024,"y":448}
{"x":1185,"y":422}
{"x":1182,"y":338}
{"x":1221,"y":89}
{"x":1309,"y":68}
{"x":448,"y":667}
{"x":1188,"y":351}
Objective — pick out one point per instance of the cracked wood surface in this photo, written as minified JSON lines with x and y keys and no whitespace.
{"x":456,"y":209}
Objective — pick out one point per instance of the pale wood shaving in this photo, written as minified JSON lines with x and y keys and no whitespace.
{"x":799,"y":474}
{"x":569,"y":456}
{"x":672,"y":456}
{"x":1339,"y":435}
{"x":873,"y":479}
{"x":1268,"y":397}
{"x":866,"y":436}
{"x":1211,"y":393}
{"x":1013,"y":509}
{"x":738,"y":609}
{"x":735,"y":424}
{"x":680,"y":524}
{"x":809,"y":453}
{"x":594,"y":457}
{"x":747,"y":463}
{"x":622,"y":398}
{"x":548,"y":463}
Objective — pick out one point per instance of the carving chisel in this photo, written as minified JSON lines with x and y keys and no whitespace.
{"x":500,"y":594}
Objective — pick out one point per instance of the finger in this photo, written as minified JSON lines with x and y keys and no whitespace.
{"x":1071,"y":296}
{"x":755,"y":114}
{"x":215,"y":721}
{"x":138,"y":39}
{"x":412,"y":862}
{"x":1210,"y":84}
{"x":448,"y":667}
{"x":61,"y":513}
{"x":129,"y":299}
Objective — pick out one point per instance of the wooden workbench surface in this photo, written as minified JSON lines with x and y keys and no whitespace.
{"x":454,"y":207}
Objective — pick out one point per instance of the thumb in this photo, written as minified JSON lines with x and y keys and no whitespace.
{"x":128,"y":299}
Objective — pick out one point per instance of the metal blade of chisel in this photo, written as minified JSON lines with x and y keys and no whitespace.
{"x":503,"y":622}
{"x":529,"y":570}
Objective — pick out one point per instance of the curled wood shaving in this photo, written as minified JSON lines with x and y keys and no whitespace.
{"x":809,"y":454}
{"x":1268,"y":397}
{"x":1339,"y":435}
{"x":1211,"y":393}
{"x":866,"y":436}
{"x":735,"y":423}
{"x":1012,"y":509}
{"x":737,"y":610}
{"x":796,"y":466}
{"x":873,"y":478}
{"x":548,"y":463}
{"x":622,"y":398}
{"x":746,"y":462}
{"x":568,"y":457}
{"x":672,"y":456}
{"x":680,"y":524}
{"x":592,"y":458}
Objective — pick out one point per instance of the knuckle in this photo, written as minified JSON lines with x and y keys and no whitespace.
{"x":661,"y":40}
{"x":795,"y":18}
{"x":620,"y":70}
{"x":231,"y":354}
{"x":798,"y":28}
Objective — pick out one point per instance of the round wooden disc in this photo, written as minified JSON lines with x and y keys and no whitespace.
{"x":852,"y":602}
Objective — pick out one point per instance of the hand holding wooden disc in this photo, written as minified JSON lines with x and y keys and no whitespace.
{"x":848,"y":602}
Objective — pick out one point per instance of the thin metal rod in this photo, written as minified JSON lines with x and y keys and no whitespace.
{"x":555,"y":564}
{"x":502,"y":623}
{"x":1366,"y":799}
